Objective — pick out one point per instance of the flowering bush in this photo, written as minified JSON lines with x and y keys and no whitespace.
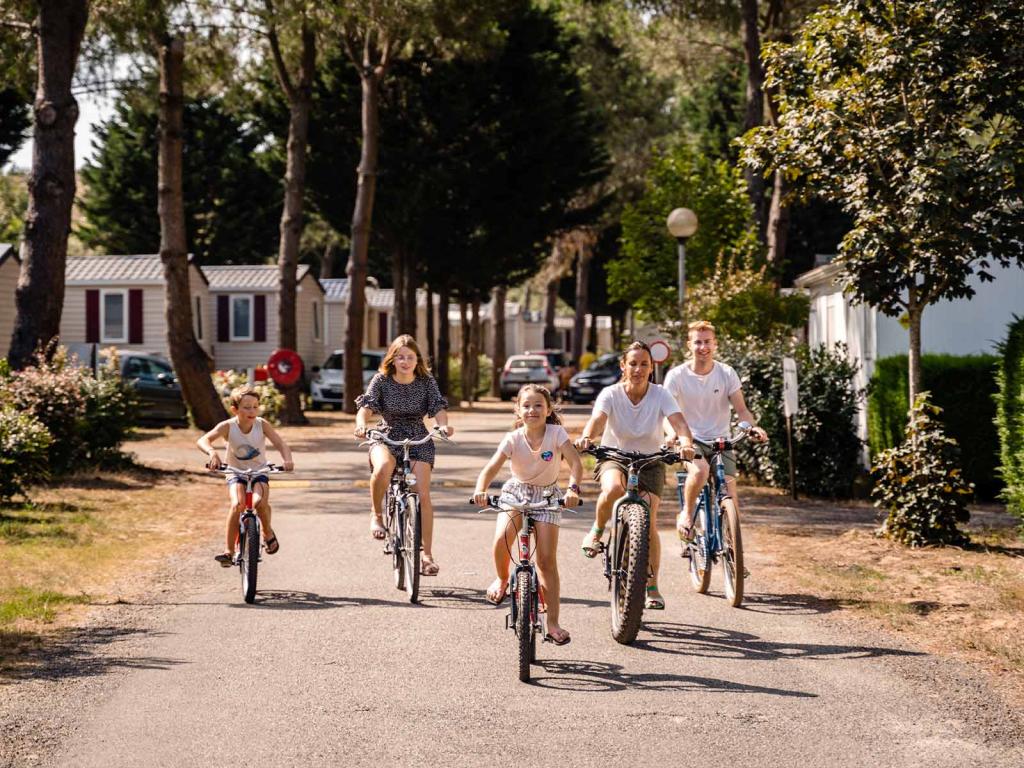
{"x":271,"y":398}
{"x":24,"y":443}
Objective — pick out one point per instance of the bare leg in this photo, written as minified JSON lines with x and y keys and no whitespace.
{"x":695,"y":480}
{"x":237,"y":492}
{"x":613,"y":487}
{"x":261,"y":500}
{"x":504,"y":539}
{"x":383,"y":467}
{"x":422,"y":471}
{"x":547,"y":570}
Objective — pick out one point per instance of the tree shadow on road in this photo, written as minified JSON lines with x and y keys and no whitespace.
{"x":293,"y":600}
{"x":602,"y":677}
{"x":789,"y":604}
{"x":463,"y":598}
{"x":70,"y":654}
{"x":716,"y":643}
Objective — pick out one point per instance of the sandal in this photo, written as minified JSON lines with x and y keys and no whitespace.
{"x":686,"y":533}
{"x":225,"y":559}
{"x":592,"y":544}
{"x":377,"y":529}
{"x":565,"y":639}
{"x":273,"y":545}
{"x":654,"y":602}
{"x":493,"y":596}
{"x":428,"y":567}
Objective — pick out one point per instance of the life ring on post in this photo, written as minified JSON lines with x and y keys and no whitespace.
{"x":285,"y":367}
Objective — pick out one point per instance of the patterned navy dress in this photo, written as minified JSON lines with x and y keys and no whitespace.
{"x":402,"y":408}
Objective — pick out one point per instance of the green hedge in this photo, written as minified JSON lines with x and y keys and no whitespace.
{"x":964,"y":387}
{"x":1010,"y":416}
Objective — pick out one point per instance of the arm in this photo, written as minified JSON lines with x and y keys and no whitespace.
{"x":362,"y":415}
{"x":594,"y":427}
{"x":441,"y":419}
{"x":486,"y":475}
{"x":572,"y":458}
{"x":743,"y":413}
{"x":205,"y":444}
{"x":282,"y":447}
{"x":682,"y":431}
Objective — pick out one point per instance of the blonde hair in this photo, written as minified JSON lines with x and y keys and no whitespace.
{"x":631,"y":348}
{"x":238,"y":393}
{"x":700,"y":325}
{"x":553,"y":416}
{"x":387,"y":365}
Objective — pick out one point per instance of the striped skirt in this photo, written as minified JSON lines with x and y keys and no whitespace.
{"x":517,"y":492}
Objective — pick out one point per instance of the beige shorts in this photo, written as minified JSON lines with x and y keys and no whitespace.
{"x":704,"y":450}
{"x":652,"y":477}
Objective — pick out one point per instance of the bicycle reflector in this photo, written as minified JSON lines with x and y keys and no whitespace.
{"x":285,"y":367}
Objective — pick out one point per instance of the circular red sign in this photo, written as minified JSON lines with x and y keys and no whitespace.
{"x":285,"y":367}
{"x":660,"y":351}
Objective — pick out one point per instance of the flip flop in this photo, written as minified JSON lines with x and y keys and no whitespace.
{"x":429,"y":567}
{"x":225,"y":560}
{"x":654,"y":602}
{"x":376,"y":529}
{"x":500,"y":600}
{"x":273,"y":545}
{"x":592,"y":542}
{"x":549,"y":638}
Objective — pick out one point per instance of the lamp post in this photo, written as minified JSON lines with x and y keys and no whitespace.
{"x":682,"y":223}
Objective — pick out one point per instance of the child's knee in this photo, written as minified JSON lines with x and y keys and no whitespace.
{"x":237,"y":508}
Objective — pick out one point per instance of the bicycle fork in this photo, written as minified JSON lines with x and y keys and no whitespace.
{"x":536,"y":592}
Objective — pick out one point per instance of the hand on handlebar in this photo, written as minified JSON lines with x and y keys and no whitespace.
{"x":687,"y":451}
{"x":480,"y":498}
{"x":759,"y":434}
{"x":214,"y":463}
{"x":583,"y":443}
{"x":445,"y":429}
{"x":571,"y":499}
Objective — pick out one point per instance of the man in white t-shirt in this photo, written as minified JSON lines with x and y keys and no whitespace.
{"x":705,"y":389}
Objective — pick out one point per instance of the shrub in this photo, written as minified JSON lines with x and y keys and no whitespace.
{"x":825,"y":444}
{"x":483,"y":386}
{"x":964,"y":387}
{"x":24,"y":445}
{"x":1010,"y":416}
{"x":919,"y":484}
{"x":271,"y":398}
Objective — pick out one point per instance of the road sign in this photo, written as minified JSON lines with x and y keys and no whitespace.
{"x":660,"y":351}
{"x":790,"y":403}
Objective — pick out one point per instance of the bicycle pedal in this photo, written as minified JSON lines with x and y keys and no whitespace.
{"x":387,"y":549}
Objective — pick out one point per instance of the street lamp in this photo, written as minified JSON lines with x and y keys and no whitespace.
{"x":682,"y":223}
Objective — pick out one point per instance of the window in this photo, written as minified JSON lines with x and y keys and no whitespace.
{"x":199,"y":318}
{"x":316,"y":320}
{"x":114,"y":317}
{"x":241,"y":318}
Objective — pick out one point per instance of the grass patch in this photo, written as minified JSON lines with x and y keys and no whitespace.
{"x":34,"y":605}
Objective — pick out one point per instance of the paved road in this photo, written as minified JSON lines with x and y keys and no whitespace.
{"x":332,"y":666}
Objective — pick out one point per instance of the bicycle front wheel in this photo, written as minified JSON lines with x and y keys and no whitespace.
{"x":700,"y":563}
{"x":732,"y":553}
{"x":411,"y":535}
{"x":629,"y":571}
{"x":524,"y":624}
{"x":392,"y":523}
{"x":248,"y":562}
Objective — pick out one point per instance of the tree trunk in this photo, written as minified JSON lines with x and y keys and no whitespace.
{"x":475,"y":348}
{"x":39,"y":299}
{"x":300,"y":99}
{"x":592,"y":334}
{"x":778,"y":227}
{"x":914,"y":313}
{"x":410,"y":295}
{"x":398,"y":286}
{"x":465,"y":341}
{"x":444,"y":341}
{"x":191,"y":364}
{"x":327,"y":261}
{"x":583,"y":258}
{"x":551,"y":303}
{"x":431,"y":330}
{"x":498,"y":321}
{"x":754,"y":115}
{"x":362,"y":217}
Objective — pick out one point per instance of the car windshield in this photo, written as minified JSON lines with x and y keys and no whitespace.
{"x":336,"y":362}
{"x":526,"y":362}
{"x":605,"y":363}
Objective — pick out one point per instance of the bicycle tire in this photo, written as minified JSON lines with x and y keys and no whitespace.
{"x":700,"y":562}
{"x":523,"y":624}
{"x":732,"y":553}
{"x":394,"y":538}
{"x":248,"y":563}
{"x":629,"y":572}
{"x":411,"y":540}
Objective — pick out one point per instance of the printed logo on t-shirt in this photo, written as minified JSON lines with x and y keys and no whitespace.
{"x":547,"y":455}
{"x":245,"y":452}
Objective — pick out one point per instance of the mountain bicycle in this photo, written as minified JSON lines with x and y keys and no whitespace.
{"x":249,"y":544}
{"x":626,"y":557}
{"x":526,"y":615}
{"x":402,"y":521}
{"x":717,"y":525}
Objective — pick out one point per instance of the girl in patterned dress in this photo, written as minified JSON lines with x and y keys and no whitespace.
{"x":536,"y":447}
{"x":403,"y":393}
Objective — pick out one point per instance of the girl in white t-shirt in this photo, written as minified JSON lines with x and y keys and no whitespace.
{"x":536,"y":446}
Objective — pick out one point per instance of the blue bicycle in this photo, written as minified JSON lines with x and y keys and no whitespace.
{"x":716,"y":524}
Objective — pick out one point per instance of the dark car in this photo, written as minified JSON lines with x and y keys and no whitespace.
{"x":585,"y":385}
{"x":156,"y":387}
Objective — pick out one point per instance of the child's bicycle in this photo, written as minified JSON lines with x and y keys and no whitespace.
{"x":402,"y":513}
{"x":717,"y":526}
{"x":526,"y":616}
{"x":249,"y":544}
{"x":626,"y":556}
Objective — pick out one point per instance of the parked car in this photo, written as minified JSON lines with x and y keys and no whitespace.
{"x":328,"y":382}
{"x":156,"y":387}
{"x":526,"y":369}
{"x":557,"y":358}
{"x":585,"y":385}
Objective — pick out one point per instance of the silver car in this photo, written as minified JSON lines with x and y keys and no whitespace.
{"x":328,"y":382}
{"x":526,"y":369}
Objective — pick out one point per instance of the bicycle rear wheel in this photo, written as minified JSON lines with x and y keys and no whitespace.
{"x":629,"y":571}
{"x":524,"y":624}
{"x":732,"y":553}
{"x":700,"y":563}
{"x":411,"y":534}
{"x":392,"y":521}
{"x":248,"y":562}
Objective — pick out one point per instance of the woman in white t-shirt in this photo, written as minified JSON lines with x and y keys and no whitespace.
{"x":630,"y":415}
{"x":536,"y":446}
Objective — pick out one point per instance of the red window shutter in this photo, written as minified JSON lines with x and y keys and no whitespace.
{"x":259,"y":332}
{"x":92,"y":316}
{"x":135,"y":316}
{"x":223,"y":318}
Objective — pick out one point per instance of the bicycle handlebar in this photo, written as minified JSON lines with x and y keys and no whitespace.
{"x":495,"y":502}
{"x":380,"y":436}
{"x":630,"y":457}
{"x":266,"y":469}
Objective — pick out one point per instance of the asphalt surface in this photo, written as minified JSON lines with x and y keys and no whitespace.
{"x":332,"y":665}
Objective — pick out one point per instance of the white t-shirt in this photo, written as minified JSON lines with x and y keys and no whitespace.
{"x":704,"y":400}
{"x":635,"y":427}
{"x":246,"y":451}
{"x":538,"y":467}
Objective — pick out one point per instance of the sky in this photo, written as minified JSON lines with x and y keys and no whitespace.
{"x":93,"y":109}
